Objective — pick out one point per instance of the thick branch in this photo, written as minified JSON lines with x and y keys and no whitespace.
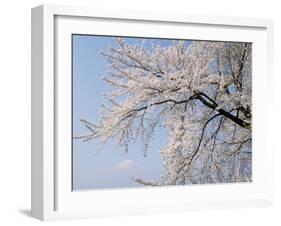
{"x":212,"y":104}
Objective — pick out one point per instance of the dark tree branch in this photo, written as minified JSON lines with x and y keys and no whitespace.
{"x":190,"y":158}
{"x":239,"y":147}
{"x":212,"y":104}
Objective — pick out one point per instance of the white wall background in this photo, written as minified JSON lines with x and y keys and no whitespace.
{"x":15,"y":112}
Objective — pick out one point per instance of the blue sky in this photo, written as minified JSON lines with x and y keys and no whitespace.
{"x":111,"y":167}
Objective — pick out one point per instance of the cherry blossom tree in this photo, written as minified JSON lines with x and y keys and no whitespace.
{"x":199,"y":91}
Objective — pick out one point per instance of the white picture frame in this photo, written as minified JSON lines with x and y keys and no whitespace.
{"x":52,"y":197}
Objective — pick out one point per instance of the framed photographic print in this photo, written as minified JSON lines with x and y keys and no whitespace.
{"x":143,"y":113}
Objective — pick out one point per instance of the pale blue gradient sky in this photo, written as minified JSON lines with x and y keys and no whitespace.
{"x":97,"y":171}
